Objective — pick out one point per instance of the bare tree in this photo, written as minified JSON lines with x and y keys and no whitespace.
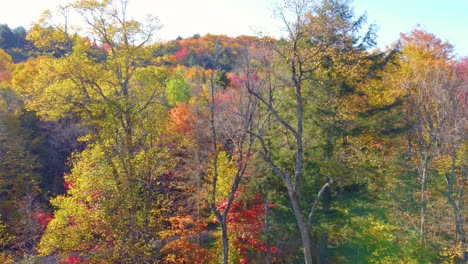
{"x":230,"y":124}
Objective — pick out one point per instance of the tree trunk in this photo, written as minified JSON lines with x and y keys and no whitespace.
{"x":323,"y":243}
{"x":224,"y":238}
{"x":424,"y":180}
{"x":457,"y":208}
{"x":460,"y":229}
{"x":465,"y":252}
{"x":267,"y":231}
{"x":303,"y":229}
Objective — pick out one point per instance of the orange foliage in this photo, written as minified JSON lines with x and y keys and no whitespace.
{"x":5,"y":66}
{"x":180,"y":118}
{"x":181,"y":247}
{"x":203,"y":46}
{"x":5,"y":76}
{"x":428,"y":43}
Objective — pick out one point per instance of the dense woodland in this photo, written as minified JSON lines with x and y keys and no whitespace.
{"x":312,"y":147}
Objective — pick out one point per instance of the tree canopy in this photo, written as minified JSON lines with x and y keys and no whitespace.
{"x":313,"y":147}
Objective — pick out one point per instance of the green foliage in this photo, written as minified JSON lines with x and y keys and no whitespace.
{"x":18,"y":166}
{"x":222,"y":79}
{"x":10,"y":39}
{"x":15,"y":44}
{"x":375,"y":242}
{"x":177,"y":89}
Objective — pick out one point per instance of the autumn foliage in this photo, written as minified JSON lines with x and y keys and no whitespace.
{"x":182,"y":241}
{"x":247,"y":225}
{"x":311,"y":148}
{"x":180,"y":118}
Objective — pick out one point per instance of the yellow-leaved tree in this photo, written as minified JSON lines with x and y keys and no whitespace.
{"x":114,"y":206}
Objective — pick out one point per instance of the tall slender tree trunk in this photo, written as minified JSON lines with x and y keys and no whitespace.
{"x":303,"y":228}
{"x":323,"y":242}
{"x":457,"y":208}
{"x":424,"y":182}
{"x":267,"y":231}
{"x":460,"y":229}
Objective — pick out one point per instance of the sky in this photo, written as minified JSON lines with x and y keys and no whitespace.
{"x":447,"y":19}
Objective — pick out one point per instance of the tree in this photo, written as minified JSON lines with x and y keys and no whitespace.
{"x":182,"y":249}
{"x":14,"y":42}
{"x":19,"y":167}
{"x":177,"y":89}
{"x":421,"y":83}
{"x":321,"y":51}
{"x":120,"y":98}
{"x":231,"y":117}
{"x":246,"y":225}
{"x":433,"y":89}
{"x":455,"y":139}
{"x":454,"y":151}
{"x":7,"y":37}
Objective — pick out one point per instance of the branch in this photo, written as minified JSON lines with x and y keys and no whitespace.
{"x":274,"y":112}
{"x":317,"y":199}
{"x":267,"y":159}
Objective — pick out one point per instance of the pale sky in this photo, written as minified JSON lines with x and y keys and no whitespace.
{"x":447,"y":19}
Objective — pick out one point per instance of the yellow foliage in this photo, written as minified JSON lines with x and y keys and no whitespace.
{"x":226,"y":174}
{"x":5,"y":237}
{"x":451,"y":255}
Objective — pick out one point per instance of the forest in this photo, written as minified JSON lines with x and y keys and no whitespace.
{"x":311,"y":147}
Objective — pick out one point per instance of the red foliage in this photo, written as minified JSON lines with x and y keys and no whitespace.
{"x":246,"y":223}
{"x":239,"y":81}
{"x":429,"y":42}
{"x":462,"y":68}
{"x":107,"y":47}
{"x":205,"y":45}
{"x":236,"y":80}
{"x":224,"y":99}
{"x":227,"y":100}
{"x":462,"y":71}
{"x":67,"y":185}
{"x":73,"y":260}
{"x":43,"y":218}
{"x":181,"y":53}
